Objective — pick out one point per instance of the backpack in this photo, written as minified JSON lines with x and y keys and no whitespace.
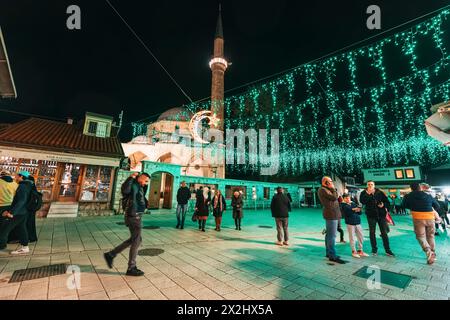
{"x":35,"y":200}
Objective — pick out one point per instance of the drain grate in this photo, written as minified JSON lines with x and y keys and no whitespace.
{"x":37,"y":273}
{"x":151,"y":227}
{"x":386,"y":277}
{"x":266,"y":227}
{"x":150,"y":252}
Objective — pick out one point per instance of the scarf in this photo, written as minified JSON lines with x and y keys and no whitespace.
{"x":216,"y":200}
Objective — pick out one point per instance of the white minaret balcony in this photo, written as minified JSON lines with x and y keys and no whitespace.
{"x":221,"y":61}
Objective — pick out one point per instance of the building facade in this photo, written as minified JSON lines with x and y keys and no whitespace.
{"x":74,"y":165}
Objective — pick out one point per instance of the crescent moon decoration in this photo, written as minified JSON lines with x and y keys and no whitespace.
{"x":196,"y":121}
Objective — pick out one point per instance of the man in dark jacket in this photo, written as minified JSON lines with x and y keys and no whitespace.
{"x":183,"y":196}
{"x":421,"y":205}
{"x":328,"y":197}
{"x":376,"y":202}
{"x":280,"y":211}
{"x":17,"y":215}
{"x":133,"y":195}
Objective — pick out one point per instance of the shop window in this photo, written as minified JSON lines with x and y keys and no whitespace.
{"x":399,"y":174}
{"x":43,"y":172}
{"x":410,"y":173}
{"x":97,"y":184}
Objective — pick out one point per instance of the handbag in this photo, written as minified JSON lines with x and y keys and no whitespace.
{"x":194,"y":216}
{"x":389,"y":219}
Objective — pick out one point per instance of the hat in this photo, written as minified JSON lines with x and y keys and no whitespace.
{"x":24,"y":174}
{"x":5,"y":173}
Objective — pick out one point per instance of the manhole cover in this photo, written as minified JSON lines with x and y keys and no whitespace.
{"x":150,"y":252}
{"x":37,"y":273}
{"x":151,"y":227}
{"x":266,"y":227}
{"x":386,"y":277}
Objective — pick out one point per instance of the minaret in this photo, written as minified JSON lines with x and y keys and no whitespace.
{"x":218,"y":65}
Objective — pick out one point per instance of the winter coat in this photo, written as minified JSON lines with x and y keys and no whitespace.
{"x":329,"y":200}
{"x":202,"y":205}
{"x":134,"y":193}
{"x":421,"y":205}
{"x":237,"y":204}
{"x":443,"y":208}
{"x":183,"y":195}
{"x":20,"y":201}
{"x":8,"y":189}
{"x":280,"y":206}
{"x":351,"y":217}
{"x":371,"y":203}
{"x":216,"y":210}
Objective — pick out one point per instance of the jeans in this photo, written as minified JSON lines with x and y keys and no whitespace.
{"x":282,"y":229}
{"x":135,"y":226}
{"x":424,"y":230}
{"x":8,"y":225}
{"x":181,"y":214}
{"x":330,"y":238}
{"x":384,"y":229}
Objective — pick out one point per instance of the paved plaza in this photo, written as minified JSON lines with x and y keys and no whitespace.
{"x":230,"y":264}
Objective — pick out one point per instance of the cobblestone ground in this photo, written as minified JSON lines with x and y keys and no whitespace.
{"x":229,"y":264}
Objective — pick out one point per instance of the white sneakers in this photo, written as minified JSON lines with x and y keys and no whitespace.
{"x":355,"y":255}
{"x":21,"y":250}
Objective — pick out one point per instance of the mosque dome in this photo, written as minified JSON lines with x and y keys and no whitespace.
{"x":176,"y":114}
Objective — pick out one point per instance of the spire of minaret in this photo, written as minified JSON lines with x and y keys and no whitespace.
{"x":219,"y":28}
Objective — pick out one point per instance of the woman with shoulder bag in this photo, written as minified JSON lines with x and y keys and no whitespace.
{"x":219,"y":206}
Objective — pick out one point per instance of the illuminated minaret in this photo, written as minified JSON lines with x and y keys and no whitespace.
{"x":218,"y":65}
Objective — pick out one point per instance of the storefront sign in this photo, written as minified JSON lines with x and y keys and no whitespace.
{"x":59,"y":157}
{"x":399,"y":174}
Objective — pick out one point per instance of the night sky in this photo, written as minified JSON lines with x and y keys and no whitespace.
{"x":103,"y":68}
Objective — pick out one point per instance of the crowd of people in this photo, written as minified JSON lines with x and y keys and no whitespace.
{"x":428,"y":214}
{"x":19,"y":201}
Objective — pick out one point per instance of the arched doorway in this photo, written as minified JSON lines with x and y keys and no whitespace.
{"x":161,"y":190}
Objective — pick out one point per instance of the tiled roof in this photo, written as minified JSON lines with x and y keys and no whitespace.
{"x":58,"y":136}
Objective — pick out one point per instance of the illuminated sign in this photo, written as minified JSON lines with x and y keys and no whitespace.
{"x":398,"y":174}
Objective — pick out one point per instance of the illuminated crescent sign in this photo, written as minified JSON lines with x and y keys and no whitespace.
{"x":196,"y":121}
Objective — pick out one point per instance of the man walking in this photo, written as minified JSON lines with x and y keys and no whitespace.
{"x":183,"y":196}
{"x":17,"y":215}
{"x":421,"y":205}
{"x":280,"y":207}
{"x":134,"y":198}
{"x":376,"y":202}
{"x":328,"y":197}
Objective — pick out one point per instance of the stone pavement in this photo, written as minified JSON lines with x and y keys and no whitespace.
{"x":238,"y":265}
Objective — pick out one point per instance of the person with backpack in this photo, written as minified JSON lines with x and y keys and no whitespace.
{"x":18,"y":214}
{"x":34,"y":204}
{"x":134,"y":205}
